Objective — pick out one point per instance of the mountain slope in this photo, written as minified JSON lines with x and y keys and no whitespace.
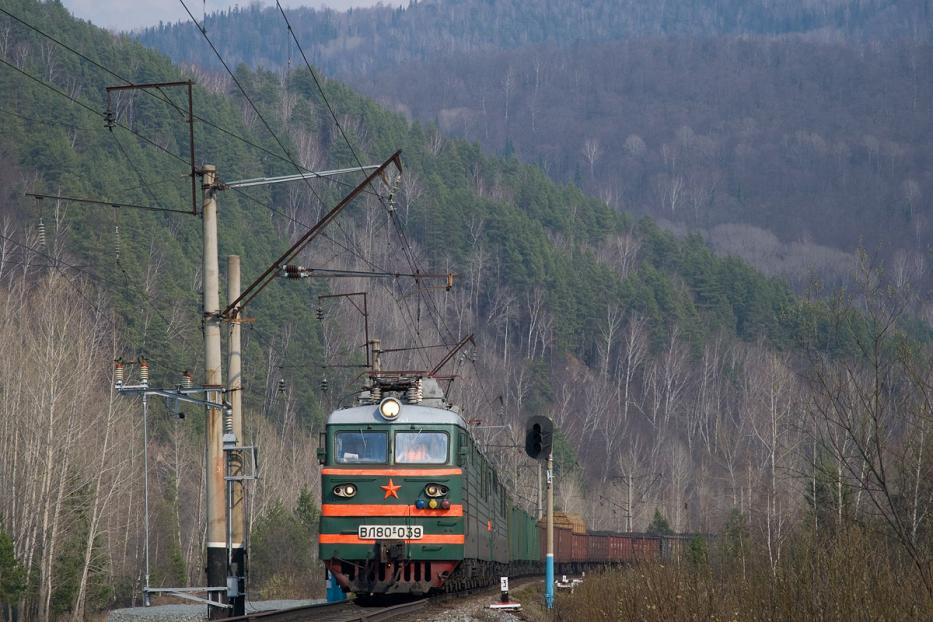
{"x":363,"y":41}
{"x":536,"y":227}
{"x":788,"y":134}
{"x":653,"y":355}
{"x":539,"y":263}
{"x":823,"y":146}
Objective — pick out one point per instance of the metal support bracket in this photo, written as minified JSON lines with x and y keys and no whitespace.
{"x":188,"y":593}
{"x":253,"y":453}
{"x":178,"y":394}
{"x":173,"y":396}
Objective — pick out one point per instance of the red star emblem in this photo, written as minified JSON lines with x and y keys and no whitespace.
{"x":391,"y":489}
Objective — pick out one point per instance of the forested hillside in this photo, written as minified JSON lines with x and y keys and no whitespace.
{"x":363,"y":41}
{"x":788,"y":154}
{"x":681,"y":383}
{"x":789,"y":134}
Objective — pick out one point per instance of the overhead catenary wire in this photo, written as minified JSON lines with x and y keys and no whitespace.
{"x":256,"y":109}
{"x":48,"y":121}
{"x":413,"y":264}
{"x":343,"y":134}
{"x":248,"y":99}
{"x":162,"y":96}
{"x":429,"y":300}
{"x":122,"y":148}
{"x":140,"y":176}
{"x":278,"y":141}
{"x":56,"y":264}
{"x":92,"y":110}
{"x":96,"y":112}
{"x":411,"y":325}
{"x":409,"y":253}
{"x":168,"y":100}
{"x":59,"y":197}
{"x":81,"y":55}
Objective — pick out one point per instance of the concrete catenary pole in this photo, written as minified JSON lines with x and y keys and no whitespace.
{"x":216,"y":523}
{"x":549,"y":560}
{"x":235,"y":385}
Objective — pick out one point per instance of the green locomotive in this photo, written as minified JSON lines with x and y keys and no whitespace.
{"x":409,"y":504}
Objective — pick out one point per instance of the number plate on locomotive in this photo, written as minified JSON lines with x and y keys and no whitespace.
{"x":391,"y":532}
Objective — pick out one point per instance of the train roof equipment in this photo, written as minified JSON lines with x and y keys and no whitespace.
{"x":400,"y":398}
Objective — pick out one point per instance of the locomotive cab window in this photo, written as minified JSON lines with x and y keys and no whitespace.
{"x":361,"y":447}
{"x":421,"y":447}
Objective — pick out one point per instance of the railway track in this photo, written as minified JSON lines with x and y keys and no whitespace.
{"x":333,"y":612}
{"x":348,"y":611}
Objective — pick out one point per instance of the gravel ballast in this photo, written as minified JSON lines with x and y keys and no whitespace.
{"x":193,"y":612}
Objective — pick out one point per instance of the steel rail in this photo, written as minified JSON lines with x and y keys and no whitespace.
{"x":333,"y":612}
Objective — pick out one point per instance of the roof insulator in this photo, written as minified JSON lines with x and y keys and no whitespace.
{"x":143,"y":371}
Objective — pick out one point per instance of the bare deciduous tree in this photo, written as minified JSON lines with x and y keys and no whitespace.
{"x":873,"y":409}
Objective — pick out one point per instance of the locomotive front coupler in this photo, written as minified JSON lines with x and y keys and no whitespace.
{"x":390,"y":551}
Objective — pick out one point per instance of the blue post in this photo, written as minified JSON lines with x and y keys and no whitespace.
{"x":333,"y":591}
{"x":549,"y":560}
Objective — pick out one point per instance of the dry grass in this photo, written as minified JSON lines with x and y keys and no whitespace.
{"x":531,"y":596}
{"x":853,"y":577}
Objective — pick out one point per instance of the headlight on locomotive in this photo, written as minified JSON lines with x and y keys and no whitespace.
{"x":435,"y":490}
{"x":345,"y":490}
{"x":389,"y":408}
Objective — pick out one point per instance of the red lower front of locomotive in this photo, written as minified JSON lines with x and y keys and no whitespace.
{"x":388,"y":576}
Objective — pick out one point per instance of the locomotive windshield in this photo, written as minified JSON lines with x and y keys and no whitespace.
{"x":420,"y":447}
{"x":362,"y":447}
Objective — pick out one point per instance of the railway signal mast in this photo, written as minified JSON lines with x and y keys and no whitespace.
{"x":539,"y":435}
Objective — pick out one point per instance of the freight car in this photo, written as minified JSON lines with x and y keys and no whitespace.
{"x":578,"y":549}
{"x":410,"y":504}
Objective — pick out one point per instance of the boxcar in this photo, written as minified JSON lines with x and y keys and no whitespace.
{"x":598,"y":547}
